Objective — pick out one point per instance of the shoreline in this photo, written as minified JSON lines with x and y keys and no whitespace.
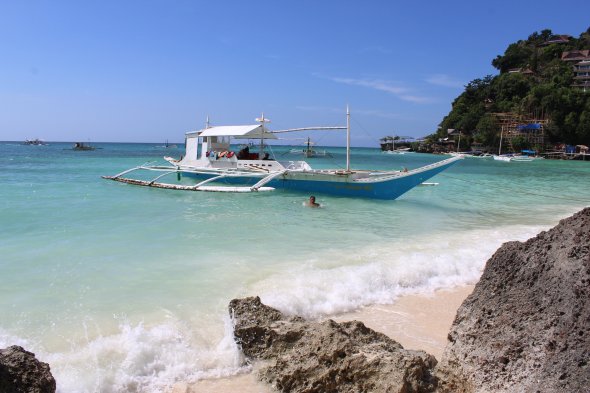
{"x":418,"y":322}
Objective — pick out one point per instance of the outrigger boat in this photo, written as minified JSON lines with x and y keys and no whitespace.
{"x":309,"y":151}
{"x":208,"y":157}
{"x":81,"y":146}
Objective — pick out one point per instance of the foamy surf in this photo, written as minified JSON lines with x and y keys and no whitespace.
{"x":139,"y":359}
{"x":380,"y":273}
{"x":151,"y":359}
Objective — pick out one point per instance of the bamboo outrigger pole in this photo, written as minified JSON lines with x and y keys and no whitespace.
{"x":347,"y":139}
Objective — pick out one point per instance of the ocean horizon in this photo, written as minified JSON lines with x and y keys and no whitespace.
{"x":125,"y":288}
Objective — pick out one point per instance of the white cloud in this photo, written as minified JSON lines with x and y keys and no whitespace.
{"x":444,"y":80}
{"x":403,"y":93}
{"x":377,"y":113}
{"x":356,"y":111}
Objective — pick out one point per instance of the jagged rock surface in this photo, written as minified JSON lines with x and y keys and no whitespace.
{"x":301,"y":356}
{"x":21,"y":372}
{"x":526,"y":326}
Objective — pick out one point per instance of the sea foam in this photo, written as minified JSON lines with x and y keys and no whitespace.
{"x":380,"y":273}
{"x":152,"y":358}
{"x":139,"y":359}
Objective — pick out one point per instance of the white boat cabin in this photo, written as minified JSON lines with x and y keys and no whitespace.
{"x":211,"y":148}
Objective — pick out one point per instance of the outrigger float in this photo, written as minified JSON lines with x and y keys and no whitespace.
{"x":208,"y":158}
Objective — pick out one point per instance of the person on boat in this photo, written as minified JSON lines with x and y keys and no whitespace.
{"x":244,"y":154}
{"x":312,"y":202}
{"x":266,"y":156}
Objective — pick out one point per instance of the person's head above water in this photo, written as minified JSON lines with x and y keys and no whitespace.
{"x":312,"y":202}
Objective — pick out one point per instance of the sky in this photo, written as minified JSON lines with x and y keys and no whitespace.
{"x":149,"y":71}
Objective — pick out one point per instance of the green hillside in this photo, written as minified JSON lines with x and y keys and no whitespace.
{"x":534,"y":83}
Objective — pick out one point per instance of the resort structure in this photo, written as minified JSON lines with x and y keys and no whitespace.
{"x":580,"y":60}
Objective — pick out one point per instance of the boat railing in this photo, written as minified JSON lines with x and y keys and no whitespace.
{"x":393,"y":174}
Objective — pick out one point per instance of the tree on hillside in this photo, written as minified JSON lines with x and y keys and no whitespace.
{"x":544,"y":91}
{"x":517,"y":55}
{"x":487,"y":131}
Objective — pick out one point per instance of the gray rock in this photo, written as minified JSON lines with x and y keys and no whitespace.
{"x":526,"y":326}
{"x":21,"y":372}
{"x":301,"y":356}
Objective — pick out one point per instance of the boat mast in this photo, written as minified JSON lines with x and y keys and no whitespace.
{"x":500,"y":148}
{"x":347,"y":139}
{"x":262,"y":120}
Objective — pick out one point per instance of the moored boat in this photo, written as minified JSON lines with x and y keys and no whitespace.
{"x":81,"y":146}
{"x":34,"y":142}
{"x":308,"y":151}
{"x":210,"y":159}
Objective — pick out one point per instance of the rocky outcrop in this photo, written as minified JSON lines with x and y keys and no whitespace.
{"x":21,"y":372}
{"x":526,"y":326}
{"x":301,"y":356}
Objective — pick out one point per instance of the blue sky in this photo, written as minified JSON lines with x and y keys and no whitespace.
{"x":147,"y":71}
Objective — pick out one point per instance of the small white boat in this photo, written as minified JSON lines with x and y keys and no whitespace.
{"x":309,"y":152}
{"x":521,"y":158}
{"x":471,"y":154}
{"x":34,"y":142}
{"x":505,"y":158}
{"x":402,"y":150}
{"x":513,"y":158}
{"x":210,"y":160}
{"x":510,"y":157}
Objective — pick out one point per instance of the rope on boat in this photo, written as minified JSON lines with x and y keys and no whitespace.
{"x":517,"y":191}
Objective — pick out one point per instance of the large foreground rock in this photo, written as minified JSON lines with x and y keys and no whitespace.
{"x":302,"y":356}
{"x":21,"y":372}
{"x":526,"y":327}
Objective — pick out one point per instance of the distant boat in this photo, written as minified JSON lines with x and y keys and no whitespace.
{"x":309,"y":152}
{"x":402,"y":150}
{"x":510,"y":157}
{"x":169,"y":146}
{"x":471,"y":154}
{"x":513,"y":158}
{"x":34,"y":142}
{"x":82,"y":146}
{"x":388,"y":144}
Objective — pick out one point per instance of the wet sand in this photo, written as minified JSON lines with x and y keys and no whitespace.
{"x":416,"y":322}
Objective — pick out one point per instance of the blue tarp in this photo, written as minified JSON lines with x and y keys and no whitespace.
{"x":529,"y":152}
{"x":570,"y":149}
{"x":529,"y":127}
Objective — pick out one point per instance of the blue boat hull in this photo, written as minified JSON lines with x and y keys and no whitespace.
{"x":390,"y":188}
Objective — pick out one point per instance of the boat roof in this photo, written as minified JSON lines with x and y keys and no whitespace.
{"x":239,"y":132}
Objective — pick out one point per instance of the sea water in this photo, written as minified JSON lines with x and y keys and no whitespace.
{"x":125,"y":288}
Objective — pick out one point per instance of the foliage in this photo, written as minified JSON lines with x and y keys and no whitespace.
{"x":542,"y":90}
{"x":486,"y":131}
{"x":519,"y":143}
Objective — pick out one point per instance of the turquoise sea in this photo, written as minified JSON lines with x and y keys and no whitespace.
{"x":125,"y":289}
